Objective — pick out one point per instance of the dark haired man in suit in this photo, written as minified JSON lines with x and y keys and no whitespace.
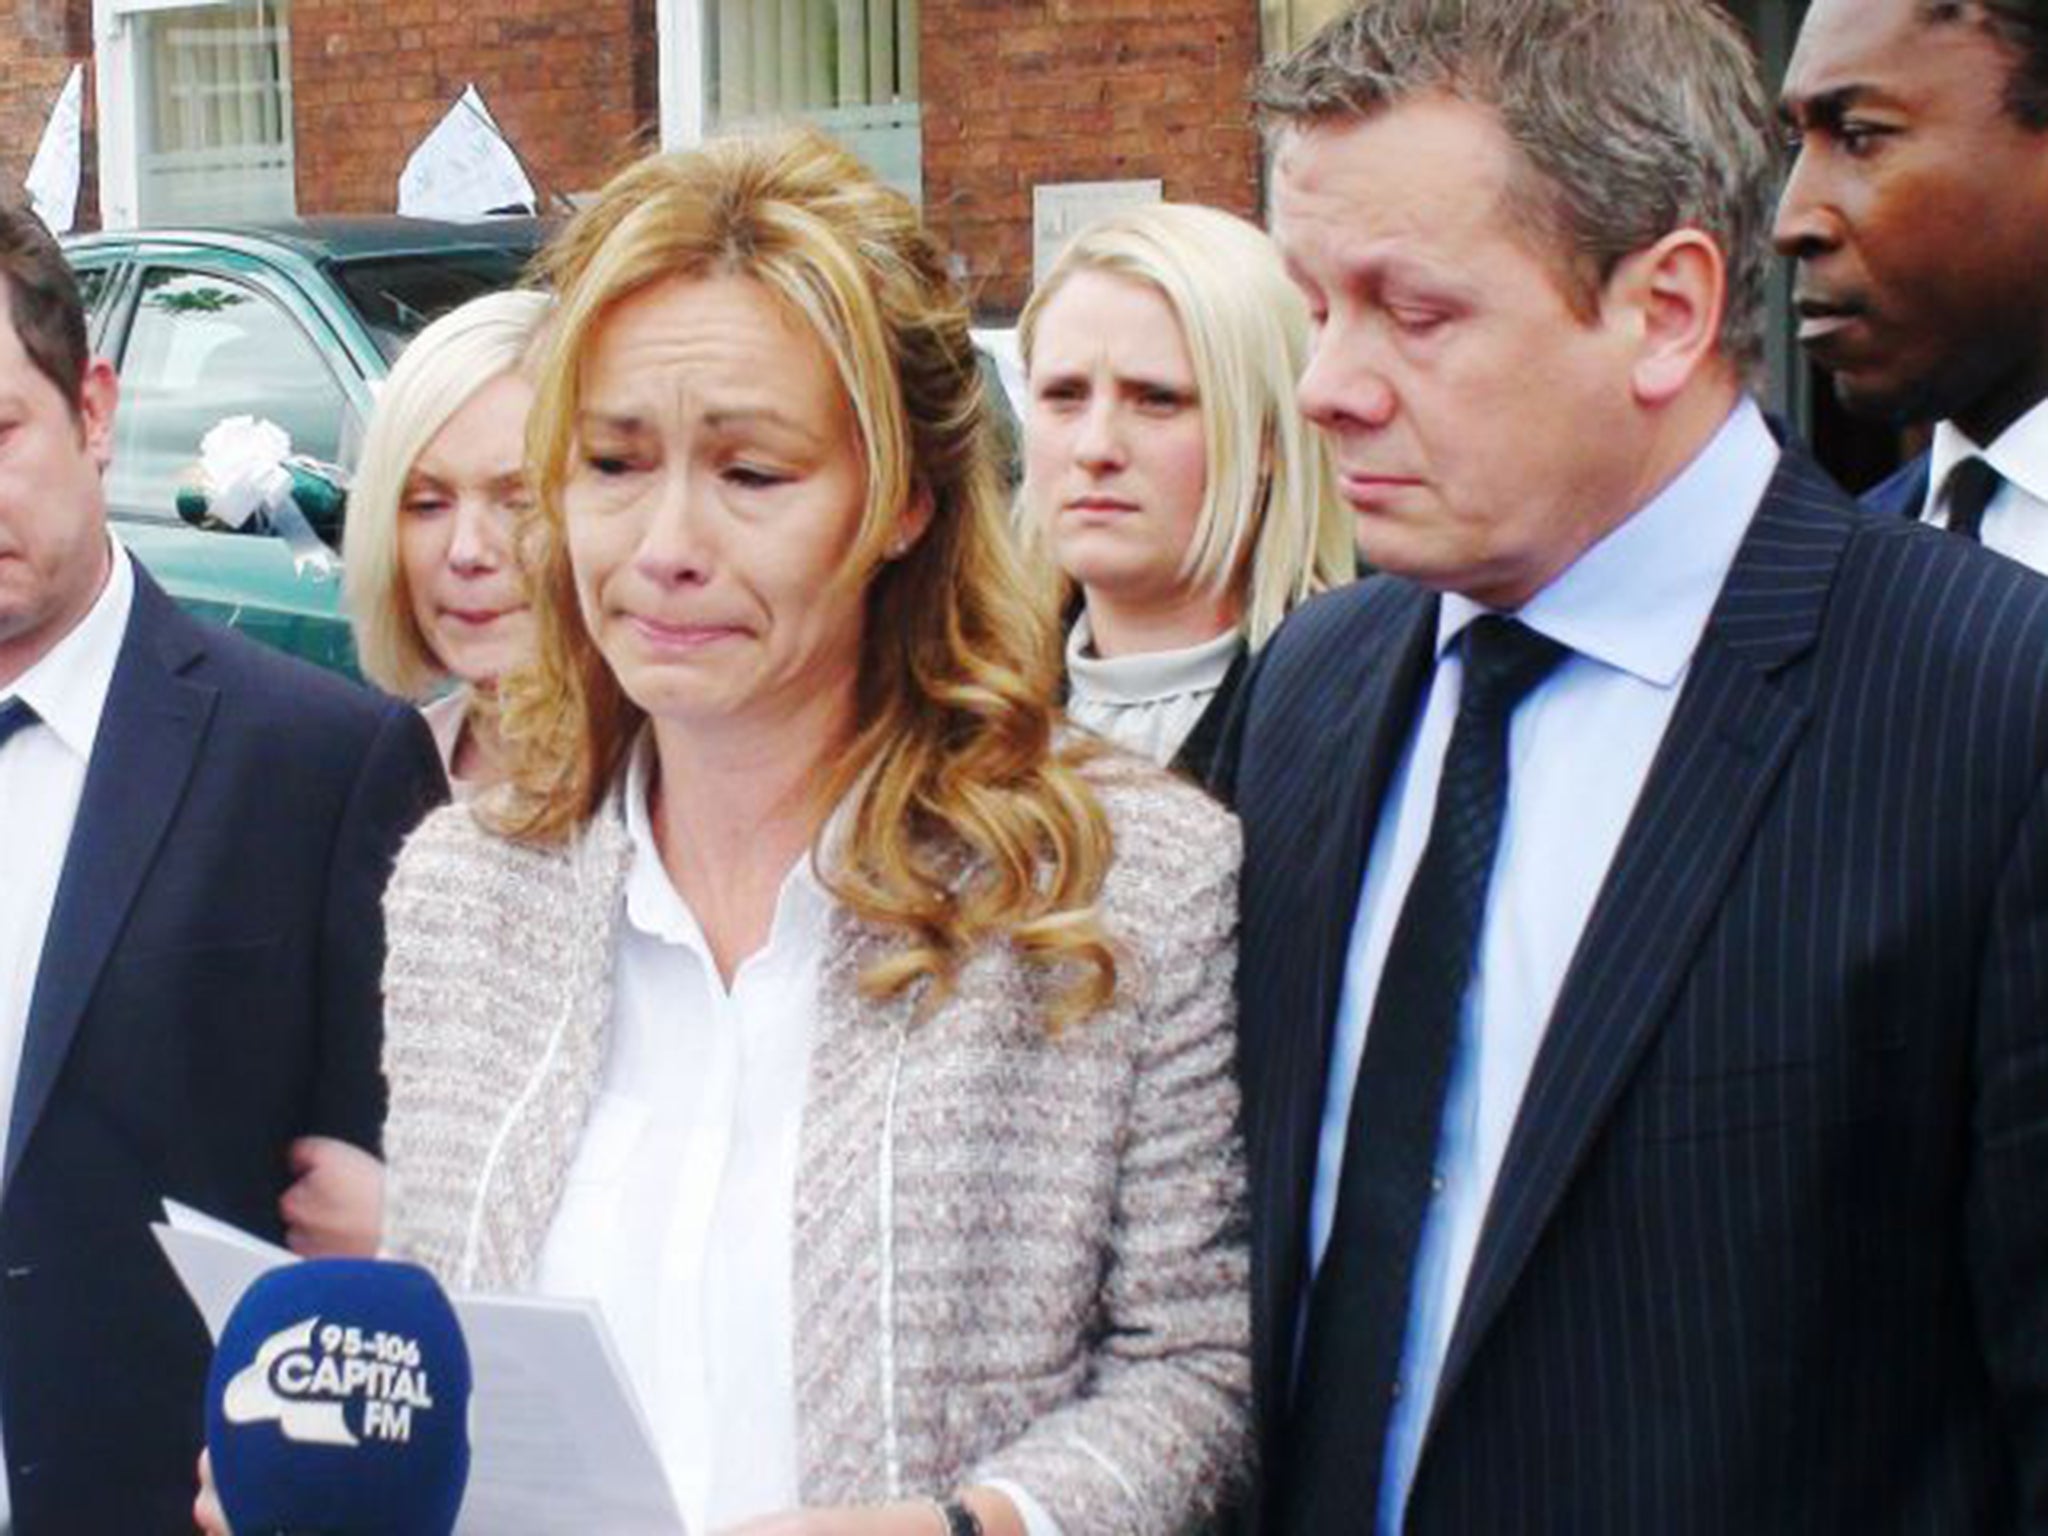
{"x":1917,"y":213}
{"x":194,"y":838}
{"x":1644,"y":961}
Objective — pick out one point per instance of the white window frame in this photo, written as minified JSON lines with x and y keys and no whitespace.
{"x":119,"y":121}
{"x":679,"y":74}
{"x":679,"y":67}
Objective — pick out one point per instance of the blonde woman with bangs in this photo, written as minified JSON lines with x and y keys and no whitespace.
{"x":432,"y":583}
{"x":1168,"y":475}
{"x":858,"y":1040}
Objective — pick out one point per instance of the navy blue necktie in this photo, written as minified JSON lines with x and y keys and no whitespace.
{"x":1971,"y":485}
{"x":16,"y":714}
{"x":1360,"y":1303}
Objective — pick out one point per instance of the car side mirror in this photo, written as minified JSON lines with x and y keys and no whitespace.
{"x":323,"y":498}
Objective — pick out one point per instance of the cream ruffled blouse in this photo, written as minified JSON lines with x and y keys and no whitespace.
{"x":1147,"y":704}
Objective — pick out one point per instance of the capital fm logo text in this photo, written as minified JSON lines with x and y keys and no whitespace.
{"x":326,"y":1384}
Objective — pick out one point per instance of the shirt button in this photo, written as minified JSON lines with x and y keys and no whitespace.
{"x":1395,"y":1391}
{"x":1436,"y":1183}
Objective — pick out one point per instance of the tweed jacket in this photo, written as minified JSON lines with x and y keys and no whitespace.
{"x":1016,"y":1255}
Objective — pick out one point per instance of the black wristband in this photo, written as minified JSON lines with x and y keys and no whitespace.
{"x":960,"y":1520}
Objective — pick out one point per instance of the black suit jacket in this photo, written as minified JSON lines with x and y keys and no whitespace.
{"x":1769,"y":1247}
{"x":1196,"y":758}
{"x":209,"y":989}
{"x":1902,"y":493}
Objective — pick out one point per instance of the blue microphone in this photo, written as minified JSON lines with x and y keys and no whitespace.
{"x":338,"y":1403}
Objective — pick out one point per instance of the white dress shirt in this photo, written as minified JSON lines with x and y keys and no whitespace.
{"x":2016,"y":519}
{"x":1148,"y":703}
{"x":1630,"y":611}
{"x":678,"y":1214}
{"x":42,"y":776}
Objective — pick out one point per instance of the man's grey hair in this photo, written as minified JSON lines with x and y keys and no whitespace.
{"x":1633,"y":118}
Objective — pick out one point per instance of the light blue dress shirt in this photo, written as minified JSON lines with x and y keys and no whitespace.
{"x":1631,"y":611}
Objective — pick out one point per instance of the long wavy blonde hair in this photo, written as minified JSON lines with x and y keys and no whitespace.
{"x":972,"y":821}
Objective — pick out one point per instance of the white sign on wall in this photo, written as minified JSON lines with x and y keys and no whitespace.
{"x":464,"y":169}
{"x":1060,"y":210}
{"x":53,"y":177}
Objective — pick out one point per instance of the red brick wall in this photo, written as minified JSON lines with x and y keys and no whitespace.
{"x":1016,"y":92}
{"x":571,"y":83}
{"x":37,"y":50}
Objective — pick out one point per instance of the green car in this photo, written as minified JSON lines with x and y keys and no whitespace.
{"x":291,"y":323}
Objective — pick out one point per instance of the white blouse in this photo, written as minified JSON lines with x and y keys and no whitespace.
{"x":678,"y":1214}
{"x":1147,"y":704}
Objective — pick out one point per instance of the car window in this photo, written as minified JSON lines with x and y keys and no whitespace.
{"x":202,"y":348}
{"x":397,"y":295}
{"x":93,"y":288}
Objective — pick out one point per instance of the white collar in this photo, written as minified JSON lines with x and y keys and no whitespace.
{"x":68,"y":687}
{"x":2019,"y":453}
{"x":1640,"y":598}
{"x":656,"y":908}
{"x":1152,"y":675}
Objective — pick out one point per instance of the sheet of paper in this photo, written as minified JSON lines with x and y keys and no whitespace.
{"x":217,"y":1262}
{"x":558,"y":1443}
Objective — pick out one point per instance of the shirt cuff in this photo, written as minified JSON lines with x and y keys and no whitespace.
{"x":1036,"y":1521}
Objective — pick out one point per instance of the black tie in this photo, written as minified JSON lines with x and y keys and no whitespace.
{"x":16,"y":714}
{"x":1971,"y":485}
{"x":1359,"y":1305}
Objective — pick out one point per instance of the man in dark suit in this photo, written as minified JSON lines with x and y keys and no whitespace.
{"x":1644,"y":969}
{"x":1918,"y":215}
{"x":194,"y":837}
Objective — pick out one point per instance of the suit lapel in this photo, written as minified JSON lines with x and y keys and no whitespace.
{"x":1330,"y":838}
{"x":1729,"y":740}
{"x":589,"y":881}
{"x":149,"y":738}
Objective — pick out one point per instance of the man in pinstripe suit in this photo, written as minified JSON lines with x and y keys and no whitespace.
{"x":1644,"y":971}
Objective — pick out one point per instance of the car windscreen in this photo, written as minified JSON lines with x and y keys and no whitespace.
{"x":397,"y":295}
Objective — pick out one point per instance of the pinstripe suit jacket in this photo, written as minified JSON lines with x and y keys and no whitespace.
{"x":1769,"y":1250}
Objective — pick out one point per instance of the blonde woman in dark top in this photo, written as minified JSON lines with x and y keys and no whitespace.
{"x":1168,"y":476}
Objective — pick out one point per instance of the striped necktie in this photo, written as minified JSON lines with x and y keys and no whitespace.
{"x":1362,"y":1297}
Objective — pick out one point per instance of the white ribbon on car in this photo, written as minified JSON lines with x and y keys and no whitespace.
{"x":245,"y":462}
